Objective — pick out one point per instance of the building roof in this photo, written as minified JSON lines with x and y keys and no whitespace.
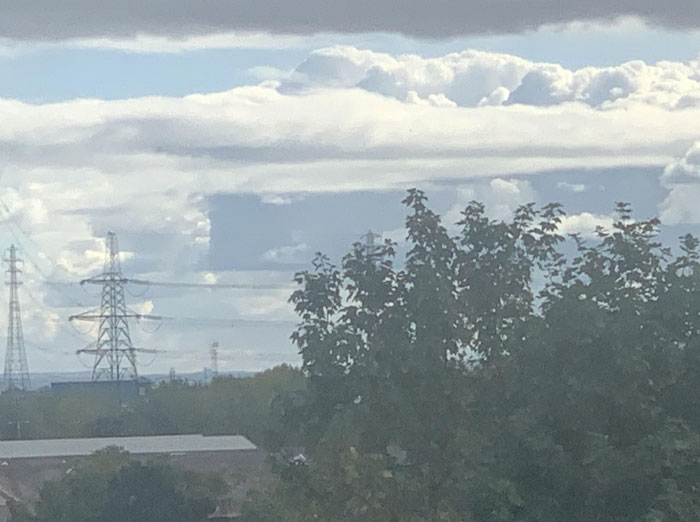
{"x":20,"y":449}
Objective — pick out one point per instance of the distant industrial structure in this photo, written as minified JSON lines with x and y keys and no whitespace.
{"x":16,"y":375}
{"x":145,"y":445}
{"x":371,"y":245}
{"x":214,"y":353}
{"x":123,"y":391}
{"x":114,"y":353}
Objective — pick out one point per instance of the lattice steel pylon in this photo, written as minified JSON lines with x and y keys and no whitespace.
{"x":214,"y":354}
{"x":370,"y":245}
{"x":115,"y":354}
{"x":16,"y":376}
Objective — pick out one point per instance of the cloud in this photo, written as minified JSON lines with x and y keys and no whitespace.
{"x":505,"y":196}
{"x":264,"y":73}
{"x":685,"y":170}
{"x":571,"y":187}
{"x":163,"y":44}
{"x":288,"y":254}
{"x":681,"y":205}
{"x":396,"y":235}
{"x":464,"y":78}
{"x":478,"y":78}
{"x":196,"y":140}
{"x":584,"y":224}
{"x":447,"y":18}
{"x":276,"y":199}
{"x":501,"y":197}
{"x":682,"y":179}
{"x":116,"y":161}
{"x":273,"y":304}
{"x":148,"y":168}
{"x":145,"y":43}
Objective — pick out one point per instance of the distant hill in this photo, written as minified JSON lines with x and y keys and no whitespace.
{"x":43,"y":380}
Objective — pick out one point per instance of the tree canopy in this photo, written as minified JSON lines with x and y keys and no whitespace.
{"x":499,"y":373}
{"x":112,"y":487}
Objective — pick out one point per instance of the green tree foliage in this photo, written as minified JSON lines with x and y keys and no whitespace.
{"x":111,"y":487}
{"x":251,"y":406}
{"x":501,"y":373}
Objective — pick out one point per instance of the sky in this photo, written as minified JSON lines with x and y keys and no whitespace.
{"x":229,"y":142}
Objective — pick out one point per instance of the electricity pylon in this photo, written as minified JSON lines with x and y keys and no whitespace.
{"x":370,"y":240}
{"x":214,"y":353}
{"x":115,"y":354}
{"x":16,"y":374}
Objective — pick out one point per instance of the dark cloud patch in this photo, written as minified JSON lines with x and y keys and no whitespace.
{"x":49,"y":20}
{"x":245,"y":229}
{"x":602,"y":188}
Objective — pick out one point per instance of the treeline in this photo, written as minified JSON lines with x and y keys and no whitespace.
{"x":498,"y":373}
{"x":251,"y":406}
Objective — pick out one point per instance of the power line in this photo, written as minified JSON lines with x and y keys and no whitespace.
{"x":12,"y":220}
{"x":58,"y":321}
{"x":214,"y":286}
{"x":95,"y":316}
{"x":227,"y":355}
{"x":214,"y":321}
{"x":175,"y":284}
{"x":41,"y":272}
{"x":9,"y":216}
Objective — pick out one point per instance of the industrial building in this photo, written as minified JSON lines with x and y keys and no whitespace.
{"x":26,"y":464}
{"x":125,"y":391}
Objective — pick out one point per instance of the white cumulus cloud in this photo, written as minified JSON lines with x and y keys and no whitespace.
{"x":682,"y":179}
{"x":585,"y":224}
{"x":471,"y":78}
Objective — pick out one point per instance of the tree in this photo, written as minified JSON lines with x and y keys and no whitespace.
{"x":111,"y":486}
{"x":154,"y":492}
{"x":501,"y":373}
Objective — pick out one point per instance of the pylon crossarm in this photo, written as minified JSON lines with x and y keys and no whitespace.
{"x":102,"y":280}
{"x":81,"y":317}
{"x":99,"y":317}
{"x":89,"y":351}
{"x":145,"y":350}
